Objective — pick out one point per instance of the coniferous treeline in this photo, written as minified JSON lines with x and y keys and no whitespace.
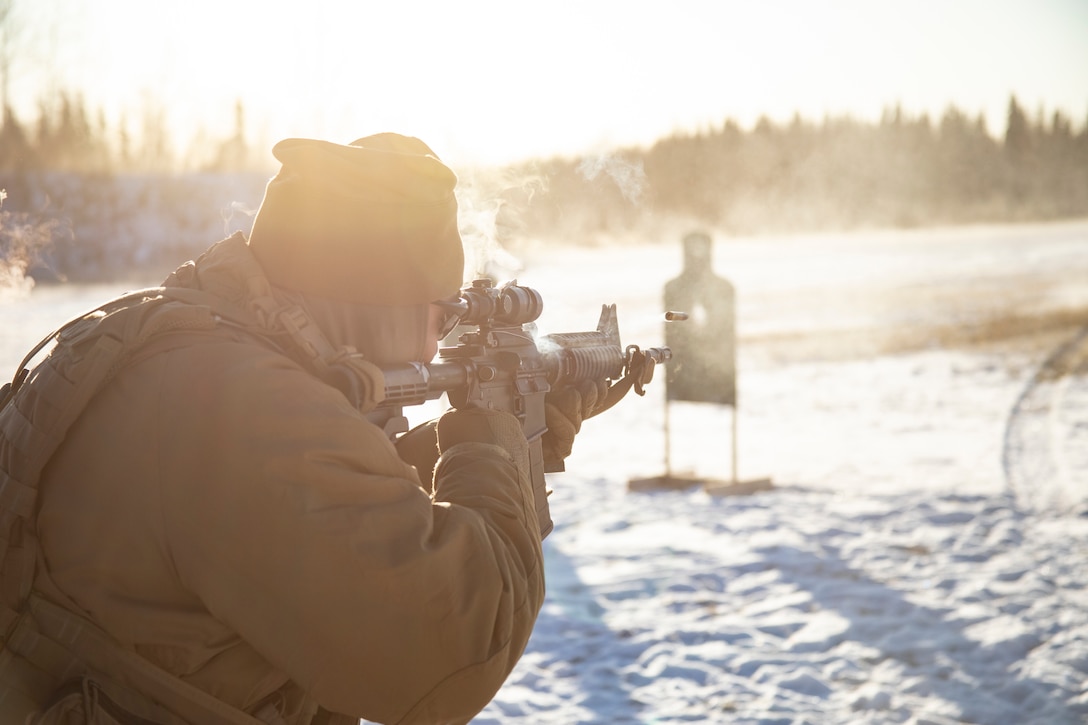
{"x":837,"y":174}
{"x":126,"y":205}
{"x":68,"y":137}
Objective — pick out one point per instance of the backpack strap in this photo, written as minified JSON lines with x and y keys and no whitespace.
{"x":58,"y":640}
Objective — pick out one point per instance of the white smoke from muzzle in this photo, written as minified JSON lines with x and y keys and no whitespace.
{"x":629,"y":177}
{"x":230,"y":221}
{"x":22,"y":242}
{"x":14,"y":284}
{"x":487,"y":219}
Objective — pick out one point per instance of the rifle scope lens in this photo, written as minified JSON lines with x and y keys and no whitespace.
{"x":519,"y":305}
{"x":508,"y":305}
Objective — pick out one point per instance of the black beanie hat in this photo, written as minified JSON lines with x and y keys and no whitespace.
{"x":373,"y":222}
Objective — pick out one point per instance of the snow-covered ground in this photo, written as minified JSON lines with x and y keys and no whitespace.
{"x":897,"y":573}
{"x":922,"y":556}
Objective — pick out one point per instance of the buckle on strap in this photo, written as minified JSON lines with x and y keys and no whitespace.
{"x":345,"y":368}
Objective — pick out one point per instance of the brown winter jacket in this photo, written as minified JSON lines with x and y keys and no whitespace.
{"x":239,"y":523}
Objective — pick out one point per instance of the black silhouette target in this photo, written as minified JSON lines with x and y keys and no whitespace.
{"x":704,"y":367}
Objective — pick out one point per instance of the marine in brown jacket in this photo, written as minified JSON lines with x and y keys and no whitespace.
{"x":223,"y":509}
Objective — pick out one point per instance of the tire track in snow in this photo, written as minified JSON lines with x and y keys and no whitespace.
{"x":1045,"y":455}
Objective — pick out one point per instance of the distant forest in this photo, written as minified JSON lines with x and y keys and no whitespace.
{"x":837,"y":173}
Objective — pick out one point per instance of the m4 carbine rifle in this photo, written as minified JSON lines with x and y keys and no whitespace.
{"x":501,"y":365}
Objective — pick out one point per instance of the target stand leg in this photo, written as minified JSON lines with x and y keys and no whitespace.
{"x":670,"y":481}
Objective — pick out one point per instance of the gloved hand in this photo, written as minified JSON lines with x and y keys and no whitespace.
{"x":476,"y":425}
{"x":419,"y":447}
{"x":564,"y":411}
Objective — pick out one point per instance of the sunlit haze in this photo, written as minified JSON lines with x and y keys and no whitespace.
{"x":493,"y":81}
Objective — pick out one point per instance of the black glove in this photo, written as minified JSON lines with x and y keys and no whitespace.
{"x":564,"y":411}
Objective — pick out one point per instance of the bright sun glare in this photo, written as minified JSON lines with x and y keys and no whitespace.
{"x":491,"y":81}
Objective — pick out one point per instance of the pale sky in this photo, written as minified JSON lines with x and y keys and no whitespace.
{"x":497,"y":80}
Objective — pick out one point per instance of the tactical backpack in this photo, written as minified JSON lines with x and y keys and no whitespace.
{"x":53,"y":660}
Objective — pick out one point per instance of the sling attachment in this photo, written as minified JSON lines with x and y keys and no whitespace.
{"x":345,"y":368}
